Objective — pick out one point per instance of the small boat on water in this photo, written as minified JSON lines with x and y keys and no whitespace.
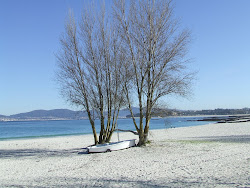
{"x":111,"y":146}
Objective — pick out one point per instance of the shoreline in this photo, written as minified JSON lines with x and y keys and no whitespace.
{"x":159,"y":124}
{"x":213,"y":155}
{"x":42,"y":136}
{"x":65,"y":119}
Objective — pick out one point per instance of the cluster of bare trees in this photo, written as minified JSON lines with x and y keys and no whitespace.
{"x":135,"y":54}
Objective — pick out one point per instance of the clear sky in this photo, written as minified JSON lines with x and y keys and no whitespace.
{"x":29,"y":38}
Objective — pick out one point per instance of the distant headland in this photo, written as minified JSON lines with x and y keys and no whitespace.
{"x":66,"y":114}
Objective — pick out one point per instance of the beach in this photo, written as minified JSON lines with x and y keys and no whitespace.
{"x":213,"y":155}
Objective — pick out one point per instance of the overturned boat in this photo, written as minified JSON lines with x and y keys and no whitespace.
{"x":108,"y":147}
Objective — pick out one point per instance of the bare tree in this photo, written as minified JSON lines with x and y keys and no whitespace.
{"x":104,"y":66}
{"x":89,"y":70}
{"x":156,"y":49}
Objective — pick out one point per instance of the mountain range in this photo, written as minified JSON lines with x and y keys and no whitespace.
{"x":57,"y":114}
{"x":65,"y":114}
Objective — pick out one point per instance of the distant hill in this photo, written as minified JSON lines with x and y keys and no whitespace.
{"x":65,"y":114}
{"x":58,"y":114}
{"x":126,"y":112}
{"x":218,"y":111}
{"x":51,"y":114}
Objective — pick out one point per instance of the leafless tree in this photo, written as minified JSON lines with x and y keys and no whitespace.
{"x":90,"y":67}
{"x":104,"y":65}
{"x":156,"y":48}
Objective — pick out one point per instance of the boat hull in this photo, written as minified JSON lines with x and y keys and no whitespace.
{"x":111,"y":146}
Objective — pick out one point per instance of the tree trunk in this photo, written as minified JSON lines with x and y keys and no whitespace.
{"x":94,"y":132}
{"x":143,"y":138}
{"x":102,"y":132}
{"x":143,"y":135}
{"x":109,"y":137}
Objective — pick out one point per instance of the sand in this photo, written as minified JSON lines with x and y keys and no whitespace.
{"x":214,"y":155}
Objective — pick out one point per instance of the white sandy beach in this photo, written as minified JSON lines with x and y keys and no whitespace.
{"x":214,"y":155}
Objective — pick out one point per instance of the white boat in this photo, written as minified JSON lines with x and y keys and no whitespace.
{"x":111,"y":146}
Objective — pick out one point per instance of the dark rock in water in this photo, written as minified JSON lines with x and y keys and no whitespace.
{"x":217,"y":119}
{"x":227,"y":119}
{"x":212,"y":119}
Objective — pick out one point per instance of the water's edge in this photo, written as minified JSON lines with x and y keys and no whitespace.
{"x":48,"y":129}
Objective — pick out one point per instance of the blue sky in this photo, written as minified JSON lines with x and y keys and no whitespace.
{"x":29,"y":38}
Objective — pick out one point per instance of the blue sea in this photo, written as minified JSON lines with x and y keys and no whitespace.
{"x":33,"y":129}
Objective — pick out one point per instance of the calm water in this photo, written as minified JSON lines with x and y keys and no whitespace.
{"x":29,"y":129}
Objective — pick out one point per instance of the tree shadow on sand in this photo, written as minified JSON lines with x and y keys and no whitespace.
{"x":19,"y":153}
{"x":124,"y":182}
{"x":229,"y":139}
